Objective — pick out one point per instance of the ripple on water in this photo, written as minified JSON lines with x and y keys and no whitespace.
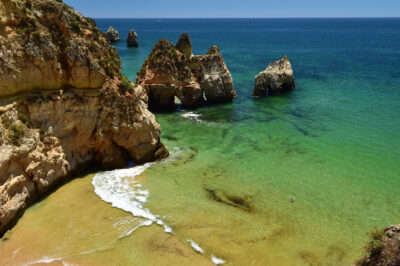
{"x":122,"y":190}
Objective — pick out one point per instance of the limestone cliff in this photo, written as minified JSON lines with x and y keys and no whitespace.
{"x":171,"y":71}
{"x":65,"y":105}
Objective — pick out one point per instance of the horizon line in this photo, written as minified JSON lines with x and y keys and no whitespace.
{"x":247,"y":18}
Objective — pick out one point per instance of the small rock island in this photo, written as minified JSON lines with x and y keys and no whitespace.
{"x":173,"y":71}
{"x":277,"y":78}
{"x":132,"y":40}
{"x":112,"y":35}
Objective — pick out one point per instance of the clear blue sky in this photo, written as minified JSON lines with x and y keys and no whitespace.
{"x":235,"y":8}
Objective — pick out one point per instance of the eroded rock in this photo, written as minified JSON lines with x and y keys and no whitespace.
{"x":383,"y":248}
{"x":214,"y":77}
{"x":172,"y":71}
{"x":184,"y":45}
{"x":73,"y":109}
{"x":112,"y":35}
{"x":277,"y":78}
{"x":132,"y":40}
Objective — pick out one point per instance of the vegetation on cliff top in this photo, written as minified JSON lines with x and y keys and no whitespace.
{"x":54,"y":36}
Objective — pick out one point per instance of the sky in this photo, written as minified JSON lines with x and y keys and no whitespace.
{"x":235,"y":8}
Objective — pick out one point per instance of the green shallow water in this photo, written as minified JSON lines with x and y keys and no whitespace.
{"x":333,"y":145}
{"x":342,"y":173}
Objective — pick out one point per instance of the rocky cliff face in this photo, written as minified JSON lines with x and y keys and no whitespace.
{"x":173,"y":71}
{"x":276,"y":79}
{"x":48,"y":45}
{"x":65,"y":105}
{"x":384,"y":248}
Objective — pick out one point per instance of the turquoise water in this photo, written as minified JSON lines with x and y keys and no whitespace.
{"x":333,"y":144}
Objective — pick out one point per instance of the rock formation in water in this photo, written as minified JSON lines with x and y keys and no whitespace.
{"x":184,"y":45}
{"x":275,"y":79}
{"x":173,"y":71}
{"x":384,"y":248}
{"x":65,"y":105}
{"x":112,"y":35}
{"x":132,"y":40}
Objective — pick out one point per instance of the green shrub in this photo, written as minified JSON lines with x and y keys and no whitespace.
{"x":75,"y":26}
{"x":23,"y":118}
{"x":376,"y":242}
{"x":110,"y":65}
{"x":96,"y":34}
{"x":15,"y":133}
{"x":125,"y":84}
{"x":28,"y":4}
{"x":36,"y":37}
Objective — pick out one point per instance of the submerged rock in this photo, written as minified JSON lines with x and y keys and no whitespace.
{"x":65,"y":105}
{"x":171,"y":72}
{"x":383,"y":248}
{"x":112,"y":34}
{"x":132,"y":40}
{"x":275,"y":79}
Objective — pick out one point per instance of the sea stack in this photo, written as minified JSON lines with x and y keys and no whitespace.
{"x":132,"y":40}
{"x":172,"y":71}
{"x":65,"y":106}
{"x":277,"y":78}
{"x":184,"y":45}
{"x":112,"y":35}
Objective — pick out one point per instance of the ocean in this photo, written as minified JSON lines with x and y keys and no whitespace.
{"x":297,"y":179}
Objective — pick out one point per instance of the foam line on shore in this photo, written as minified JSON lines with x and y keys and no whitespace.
{"x":116,"y":188}
{"x":121,"y":189}
{"x":48,"y":260}
{"x":217,"y":261}
{"x":195,"y":246}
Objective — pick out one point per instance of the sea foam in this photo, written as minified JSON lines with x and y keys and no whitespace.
{"x":118,"y":188}
{"x":121,"y":189}
{"x":217,"y":261}
{"x":47,"y":260}
{"x":193,"y":116}
{"x":195,"y":246}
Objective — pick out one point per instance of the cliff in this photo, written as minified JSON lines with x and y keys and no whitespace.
{"x":383,"y":248}
{"x":173,"y":71}
{"x":65,"y":106}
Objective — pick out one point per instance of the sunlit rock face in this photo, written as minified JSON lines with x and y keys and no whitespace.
{"x":173,"y":71}
{"x":132,"y":40}
{"x":275,"y":79}
{"x":65,"y":105}
{"x":112,"y":35}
